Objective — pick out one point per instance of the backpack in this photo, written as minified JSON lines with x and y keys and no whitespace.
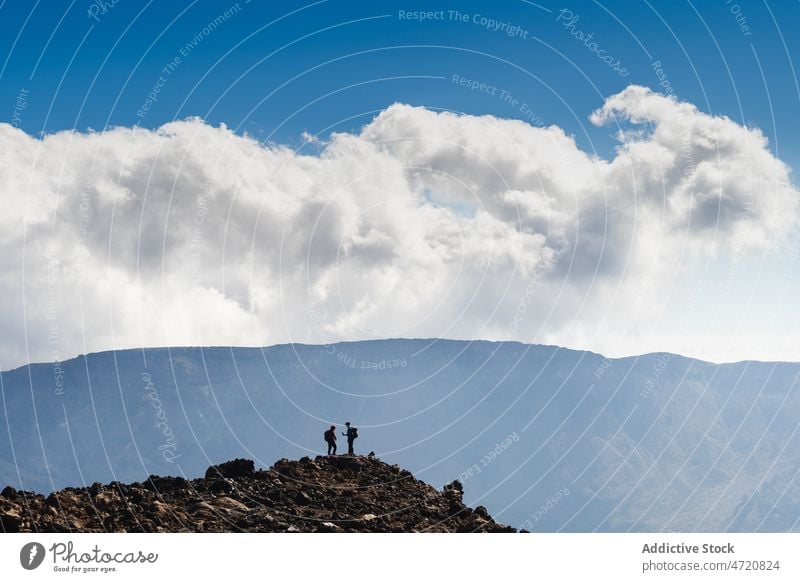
{"x":354,"y":432}
{"x":328,"y":436}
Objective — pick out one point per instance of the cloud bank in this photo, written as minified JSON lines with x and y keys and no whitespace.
{"x":423,"y":224}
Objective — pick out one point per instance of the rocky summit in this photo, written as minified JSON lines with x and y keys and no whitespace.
{"x":325,"y":494}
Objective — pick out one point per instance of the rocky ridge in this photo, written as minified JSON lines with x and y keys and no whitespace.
{"x":325,"y":494}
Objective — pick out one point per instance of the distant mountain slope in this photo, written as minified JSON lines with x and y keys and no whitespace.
{"x":546,"y":438}
{"x":326,"y":494}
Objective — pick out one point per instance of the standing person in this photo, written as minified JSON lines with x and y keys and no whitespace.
{"x":330,"y":438}
{"x":351,"y":434}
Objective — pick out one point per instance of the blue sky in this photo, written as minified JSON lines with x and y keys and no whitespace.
{"x":268,"y":60}
{"x":701,"y":261}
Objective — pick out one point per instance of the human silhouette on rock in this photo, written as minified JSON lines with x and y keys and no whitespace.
{"x":351,"y":434}
{"x":330,"y":438}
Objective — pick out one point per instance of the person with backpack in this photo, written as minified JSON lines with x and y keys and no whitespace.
{"x":351,"y":434}
{"x":330,"y":438}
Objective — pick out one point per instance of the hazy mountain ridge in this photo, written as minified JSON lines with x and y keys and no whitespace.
{"x":646,"y":443}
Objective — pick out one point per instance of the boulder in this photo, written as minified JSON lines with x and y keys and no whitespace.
{"x":232,"y":469}
{"x":10,"y":521}
{"x":220,"y":486}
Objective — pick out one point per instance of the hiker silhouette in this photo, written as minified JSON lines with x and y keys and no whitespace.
{"x":330,"y":438}
{"x":351,"y":434}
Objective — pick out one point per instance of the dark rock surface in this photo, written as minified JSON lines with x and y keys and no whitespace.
{"x":325,"y":494}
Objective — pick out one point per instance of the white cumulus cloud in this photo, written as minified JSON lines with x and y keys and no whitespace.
{"x":423,"y":224}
